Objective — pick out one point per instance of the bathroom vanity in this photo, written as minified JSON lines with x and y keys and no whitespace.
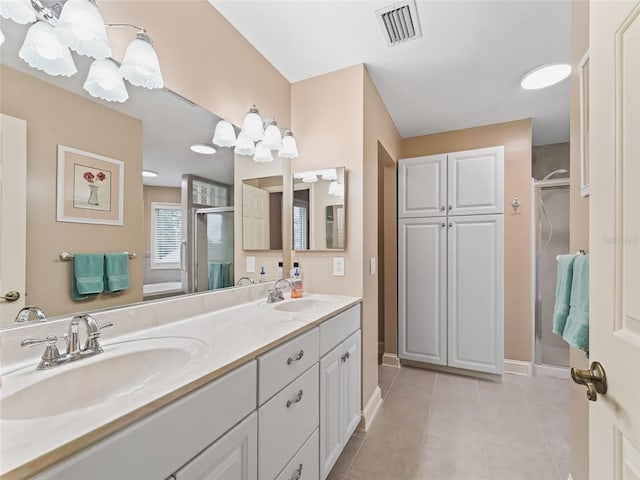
{"x":253,"y":391}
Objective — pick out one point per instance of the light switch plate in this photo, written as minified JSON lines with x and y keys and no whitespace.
{"x":251,"y":264}
{"x":372,"y":266}
{"x":338,"y":266}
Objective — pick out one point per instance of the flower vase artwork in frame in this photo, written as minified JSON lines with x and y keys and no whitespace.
{"x":90,"y":187}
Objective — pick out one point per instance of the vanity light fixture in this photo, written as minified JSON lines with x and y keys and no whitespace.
{"x":245,"y":146}
{"x":20,"y":11}
{"x":82,"y":29}
{"x":272,"y":136}
{"x":263,"y":154}
{"x":140,"y":65}
{"x":149,"y":173}
{"x":1,"y":37}
{"x":289,"y":148}
{"x":224,"y":135}
{"x":545,"y":76}
{"x":336,"y":189}
{"x":104,"y":81}
{"x":42,"y":50}
{"x":252,"y":125}
{"x":203,"y":149}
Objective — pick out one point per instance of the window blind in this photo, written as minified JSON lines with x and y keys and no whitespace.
{"x":166,"y":235}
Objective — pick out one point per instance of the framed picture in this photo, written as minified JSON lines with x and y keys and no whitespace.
{"x":583,"y":71}
{"x":90,"y":188}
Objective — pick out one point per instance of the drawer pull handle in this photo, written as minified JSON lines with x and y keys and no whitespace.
{"x":298,"y":474}
{"x":345,"y":357}
{"x":295,"y":400}
{"x":299,"y":356}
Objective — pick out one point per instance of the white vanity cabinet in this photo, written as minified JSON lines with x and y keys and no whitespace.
{"x":339,"y":385}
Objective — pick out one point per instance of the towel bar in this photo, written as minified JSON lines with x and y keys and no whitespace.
{"x":67,"y":257}
{"x":579,"y":252}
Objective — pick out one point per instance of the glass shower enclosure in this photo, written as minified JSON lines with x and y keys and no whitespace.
{"x":551,"y":217}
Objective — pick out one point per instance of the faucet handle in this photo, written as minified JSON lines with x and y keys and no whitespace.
{"x":32,"y":342}
{"x":51,"y":354}
{"x":105,"y":325}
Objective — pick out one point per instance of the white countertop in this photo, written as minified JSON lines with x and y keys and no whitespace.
{"x":230,"y":338}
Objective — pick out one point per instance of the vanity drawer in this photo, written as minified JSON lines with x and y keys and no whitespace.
{"x":336,"y":329}
{"x":305,"y":462}
{"x":286,"y":421}
{"x":281,"y":365}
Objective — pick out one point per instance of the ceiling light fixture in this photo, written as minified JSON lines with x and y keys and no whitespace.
{"x":272,"y":135}
{"x":224,"y":135}
{"x":262,"y":154}
{"x":203,"y":149}
{"x":545,"y":76}
{"x":149,"y":173}
{"x":64,"y":25}
{"x":289,"y":148}
{"x":267,"y":135}
{"x":252,"y":125}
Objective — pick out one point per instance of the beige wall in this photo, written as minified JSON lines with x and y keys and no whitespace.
{"x":516,"y":138}
{"x":579,"y":239}
{"x":548,"y":158}
{"x":151,"y":194}
{"x":55,"y":116}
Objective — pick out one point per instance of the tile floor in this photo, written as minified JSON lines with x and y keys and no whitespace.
{"x":435,"y":426}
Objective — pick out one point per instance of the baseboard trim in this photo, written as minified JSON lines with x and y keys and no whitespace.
{"x":518,"y":367}
{"x":390,"y":360}
{"x":492,"y":377}
{"x":550,"y":371}
{"x":370,"y":410}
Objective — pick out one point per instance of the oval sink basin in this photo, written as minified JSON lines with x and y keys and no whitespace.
{"x":299,"y":305}
{"x":122,"y":368}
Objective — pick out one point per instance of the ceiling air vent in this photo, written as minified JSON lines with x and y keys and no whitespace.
{"x":399,"y":22}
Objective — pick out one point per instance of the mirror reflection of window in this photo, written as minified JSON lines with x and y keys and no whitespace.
{"x":166,"y":235}
{"x":300,"y":225}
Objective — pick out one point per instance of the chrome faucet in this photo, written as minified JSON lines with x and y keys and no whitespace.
{"x":26,"y":312}
{"x":52,"y":357}
{"x":241,"y":279}
{"x":275,"y":295}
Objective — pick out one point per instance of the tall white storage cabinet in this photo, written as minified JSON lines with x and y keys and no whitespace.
{"x":451,"y":259}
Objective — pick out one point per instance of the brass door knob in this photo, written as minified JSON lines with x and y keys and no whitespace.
{"x":594,"y":379}
{"x":11,"y":296}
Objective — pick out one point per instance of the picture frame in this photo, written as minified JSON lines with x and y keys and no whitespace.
{"x":583,"y":72}
{"x":90,"y":188}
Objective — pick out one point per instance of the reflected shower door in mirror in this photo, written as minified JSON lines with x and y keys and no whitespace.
{"x":262,"y":213}
{"x":319,"y":209}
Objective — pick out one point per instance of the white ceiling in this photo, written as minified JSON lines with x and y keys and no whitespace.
{"x":170,"y":123}
{"x":463,"y":72}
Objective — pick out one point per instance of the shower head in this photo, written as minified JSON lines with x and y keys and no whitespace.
{"x":556,"y":172}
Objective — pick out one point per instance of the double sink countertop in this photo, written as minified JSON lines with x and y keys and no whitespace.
{"x":48,"y":415}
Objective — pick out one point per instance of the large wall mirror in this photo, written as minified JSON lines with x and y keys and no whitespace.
{"x":262,"y":213}
{"x":179,"y":221}
{"x":319,"y":209}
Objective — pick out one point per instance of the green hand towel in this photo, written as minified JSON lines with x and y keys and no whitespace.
{"x":563,"y":292}
{"x":116,"y":267}
{"x":88,"y":273}
{"x":576,"y":331}
{"x":219,"y":275}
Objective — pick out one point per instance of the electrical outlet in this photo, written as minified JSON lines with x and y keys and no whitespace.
{"x":338,"y":266}
{"x":251,"y":264}
{"x":372,"y":266}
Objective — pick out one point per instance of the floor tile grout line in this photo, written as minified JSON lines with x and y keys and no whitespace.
{"x":546,"y":444}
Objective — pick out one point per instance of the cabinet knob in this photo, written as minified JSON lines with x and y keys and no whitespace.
{"x":443,"y":224}
{"x":297,"y":357}
{"x":442,"y":208}
{"x":450,"y":224}
{"x":298,"y":474}
{"x":295,"y":400}
{"x":450,"y":207}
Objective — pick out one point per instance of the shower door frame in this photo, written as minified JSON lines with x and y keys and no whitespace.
{"x":536,"y":328}
{"x":193,"y":274}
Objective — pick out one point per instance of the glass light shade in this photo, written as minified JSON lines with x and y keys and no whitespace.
{"x":329,"y":174}
{"x":42,"y":50}
{"x":263,"y":154}
{"x":272,"y":136}
{"x":245,"y":146}
{"x":289,"y":148}
{"x":20,"y":11}
{"x":309,"y":177}
{"x":81,"y":28}
{"x":104,"y":81}
{"x":140,"y":65}
{"x":224,"y":135}
{"x":545,"y":76}
{"x":1,"y":37}
{"x":252,"y":125}
{"x":336,"y":189}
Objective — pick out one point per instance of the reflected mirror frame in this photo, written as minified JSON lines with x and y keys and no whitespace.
{"x":298,"y":217}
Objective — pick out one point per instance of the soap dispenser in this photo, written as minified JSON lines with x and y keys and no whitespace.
{"x":296,"y":281}
{"x":263,"y":275}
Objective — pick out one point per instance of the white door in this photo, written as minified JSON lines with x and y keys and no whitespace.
{"x":422,"y":289}
{"x":232,"y":457}
{"x":614,"y":237}
{"x":476,"y":182}
{"x":476,"y":293}
{"x":255,"y":218}
{"x":422,"y":186}
{"x":351,"y":385}
{"x":13,"y":214}
{"x":331,"y":410}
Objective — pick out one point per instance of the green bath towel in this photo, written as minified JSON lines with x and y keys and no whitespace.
{"x":87,"y":275}
{"x":116,"y":269}
{"x":219,"y":275}
{"x":563,"y":292}
{"x":576,"y":331}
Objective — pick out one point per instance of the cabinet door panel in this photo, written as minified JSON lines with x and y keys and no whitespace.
{"x":422,"y":184}
{"x":351,"y":384}
{"x":476,"y":298}
{"x":422,"y":293}
{"x":331,"y":410}
{"x":476,"y":182}
{"x":305,"y":462}
{"x":233,"y":457}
